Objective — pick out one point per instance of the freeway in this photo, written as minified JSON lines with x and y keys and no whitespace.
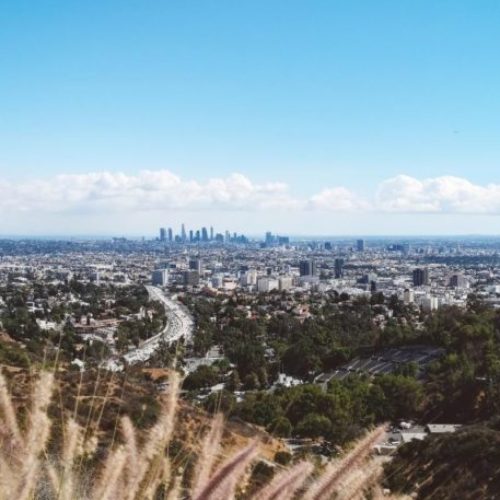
{"x":179,"y":326}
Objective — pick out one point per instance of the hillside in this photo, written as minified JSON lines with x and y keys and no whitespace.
{"x":463,"y":465}
{"x":97,"y":400}
{"x":48,"y":452}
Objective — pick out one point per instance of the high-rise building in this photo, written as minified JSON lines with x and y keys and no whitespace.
{"x":458,"y":281}
{"x":404,"y":248}
{"x":204,"y":234}
{"x":285,"y":282}
{"x":249,"y":277}
{"x":421,"y":277}
{"x":183,"y":232}
{"x":328,"y":245}
{"x":191,"y":278}
{"x":211,"y":233}
{"x":170,"y":235}
{"x":307,"y":267}
{"x":339,"y":268}
{"x":269,"y":238}
{"x":163,"y":234}
{"x":429,"y":303}
{"x":195,"y":265}
{"x":191,"y":236}
{"x":360,"y":245}
{"x":159,"y":277}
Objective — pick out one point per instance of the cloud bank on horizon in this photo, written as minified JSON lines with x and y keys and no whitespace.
{"x":163,"y":190}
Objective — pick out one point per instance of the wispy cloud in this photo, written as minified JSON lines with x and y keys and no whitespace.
{"x":163,"y":190}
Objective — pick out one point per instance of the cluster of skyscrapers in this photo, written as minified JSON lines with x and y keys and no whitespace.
{"x":206,"y":235}
{"x":203,"y":235}
{"x":273,"y":239}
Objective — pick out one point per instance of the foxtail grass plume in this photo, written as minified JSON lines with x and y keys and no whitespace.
{"x":208,"y":454}
{"x":285,"y":484}
{"x":326,"y":485}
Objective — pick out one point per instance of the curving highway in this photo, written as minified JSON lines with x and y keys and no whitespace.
{"x":179,"y":326}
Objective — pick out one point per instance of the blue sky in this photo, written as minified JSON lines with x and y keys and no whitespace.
{"x":316,"y":95}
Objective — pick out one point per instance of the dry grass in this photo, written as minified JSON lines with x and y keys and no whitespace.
{"x":133,"y":468}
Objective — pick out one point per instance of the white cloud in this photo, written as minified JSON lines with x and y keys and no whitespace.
{"x":445,"y":194}
{"x":338,"y":199}
{"x":109,"y":192}
{"x":148,"y":190}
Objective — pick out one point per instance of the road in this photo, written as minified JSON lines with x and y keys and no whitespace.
{"x":179,"y":325}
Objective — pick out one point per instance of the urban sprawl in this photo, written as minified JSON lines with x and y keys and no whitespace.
{"x":234,"y":312}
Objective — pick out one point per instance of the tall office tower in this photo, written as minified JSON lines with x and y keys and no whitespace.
{"x":360,"y":245}
{"x":211,"y":233}
{"x":197,"y":235}
{"x":159,"y":277}
{"x":163,"y":234}
{"x":227,"y":237}
{"x":191,"y":236}
{"x":183,"y":232}
{"x":307,"y":267}
{"x":458,"y":281}
{"x":339,"y":268}
{"x":404,"y":248}
{"x":249,"y":278}
{"x":421,"y":277}
{"x":195,"y":265}
{"x":328,"y":245}
{"x":191,"y":278}
{"x":170,"y":235}
{"x":269,"y":238}
{"x":204,"y":234}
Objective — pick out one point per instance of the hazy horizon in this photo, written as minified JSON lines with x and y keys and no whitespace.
{"x":255,"y":236}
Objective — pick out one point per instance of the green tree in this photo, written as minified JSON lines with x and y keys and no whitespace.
{"x":203,"y":376}
{"x":314,"y":425}
{"x":280,"y":427}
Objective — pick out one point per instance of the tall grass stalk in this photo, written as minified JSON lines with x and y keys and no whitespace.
{"x":325,"y":486}
{"x":208,"y":454}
